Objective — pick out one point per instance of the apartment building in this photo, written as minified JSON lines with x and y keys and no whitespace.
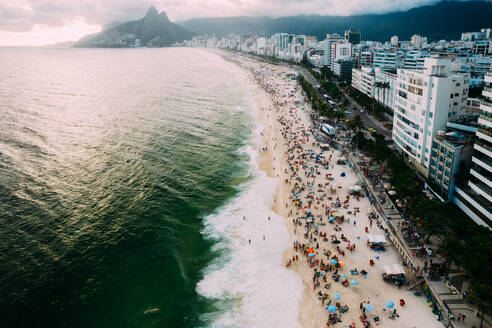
{"x":424,"y":102}
{"x":387,"y":78}
{"x":363,"y":80}
{"x":450,"y":151}
{"x":340,"y":50}
{"x":475,"y":196}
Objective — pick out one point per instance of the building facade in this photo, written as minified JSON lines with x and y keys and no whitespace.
{"x":424,"y":102}
{"x":449,"y":154}
{"x":475,"y":196}
{"x":352,"y":36}
{"x":340,"y":50}
{"x":387,"y":79}
{"x":363,"y":80}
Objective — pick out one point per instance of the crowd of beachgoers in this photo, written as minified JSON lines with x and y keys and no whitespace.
{"x":328,"y":215}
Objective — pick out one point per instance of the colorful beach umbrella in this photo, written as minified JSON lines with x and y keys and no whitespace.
{"x":390,"y":304}
{"x":332,"y":308}
{"x":337,"y":296}
{"x":354,"y":282}
{"x":333,"y":261}
{"x":344,"y":275}
{"x":369,"y":307}
{"x":311,"y":254}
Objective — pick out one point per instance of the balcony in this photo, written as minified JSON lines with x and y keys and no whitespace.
{"x":482,"y":175}
{"x":482,"y":160}
{"x":484,"y":134}
{"x":486,"y":116}
{"x":485,"y":147}
{"x":475,"y":203}
{"x":480,"y":188}
{"x":486,"y":105}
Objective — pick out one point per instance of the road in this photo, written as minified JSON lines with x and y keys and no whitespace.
{"x":369,"y":121}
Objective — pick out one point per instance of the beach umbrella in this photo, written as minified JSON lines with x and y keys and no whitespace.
{"x":344,"y":275}
{"x":311,"y":254}
{"x":332,"y":308}
{"x":333,"y":261}
{"x":354,"y":282}
{"x":332,"y":218}
{"x":369,"y":307}
{"x":337,"y":296}
{"x":390,"y":304}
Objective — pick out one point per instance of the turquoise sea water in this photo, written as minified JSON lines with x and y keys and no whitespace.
{"x":109,"y":160}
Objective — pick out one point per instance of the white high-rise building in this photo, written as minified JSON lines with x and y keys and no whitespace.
{"x":416,"y":41}
{"x":475,"y":197}
{"x":341,"y":50}
{"x":363,"y":80}
{"x":386,"y":93}
{"x":424,"y":102}
{"x":415,"y":60}
{"x":394,"y":40}
{"x":330,"y":39}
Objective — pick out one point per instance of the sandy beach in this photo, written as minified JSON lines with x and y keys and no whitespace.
{"x":327,"y":224}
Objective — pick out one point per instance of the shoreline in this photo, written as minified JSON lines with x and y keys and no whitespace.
{"x":285,"y":115}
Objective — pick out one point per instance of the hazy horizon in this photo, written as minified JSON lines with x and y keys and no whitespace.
{"x":42,"y":22}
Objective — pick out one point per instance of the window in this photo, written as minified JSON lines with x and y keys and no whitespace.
{"x":430,"y":115}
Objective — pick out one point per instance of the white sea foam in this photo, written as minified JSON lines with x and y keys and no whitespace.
{"x":251,"y":276}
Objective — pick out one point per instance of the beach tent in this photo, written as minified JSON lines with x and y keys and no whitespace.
{"x":355,"y":188}
{"x":393,"y":269}
{"x":377,"y":239}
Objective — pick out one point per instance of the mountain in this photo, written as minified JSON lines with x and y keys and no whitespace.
{"x":444,"y":20}
{"x":63,"y":44}
{"x":154,"y":30}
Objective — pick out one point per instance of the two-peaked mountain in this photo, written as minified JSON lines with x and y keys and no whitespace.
{"x":153,"y":30}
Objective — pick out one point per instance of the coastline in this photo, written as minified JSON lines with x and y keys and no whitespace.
{"x":288,"y":137}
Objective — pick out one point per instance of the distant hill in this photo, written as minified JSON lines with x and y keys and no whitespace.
{"x":154,"y":30}
{"x":444,"y":20}
{"x":63,"y":44}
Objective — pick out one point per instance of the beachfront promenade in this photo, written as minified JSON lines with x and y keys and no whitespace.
{"x":450,"y":303}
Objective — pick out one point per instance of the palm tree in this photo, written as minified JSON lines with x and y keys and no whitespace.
{"x":378,"y":85}
{"x":385,"y":85}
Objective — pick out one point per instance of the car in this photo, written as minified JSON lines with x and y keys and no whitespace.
{"x":362,"y":111}
{"x":371,"y":130}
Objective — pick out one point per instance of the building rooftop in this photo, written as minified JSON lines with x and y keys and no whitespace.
{"x":453,"y":139}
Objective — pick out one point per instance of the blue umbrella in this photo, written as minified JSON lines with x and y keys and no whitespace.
{"x":337,"y":296}
{"x":390,"y":304}
{"x":369,"y":307}
{"x":344,"y":275}
{"x":311,"y":254}
{"x":332,"y":308}
{"x":332,"y":218}
{"x":333,"y":261}
{"x":354,"y":282}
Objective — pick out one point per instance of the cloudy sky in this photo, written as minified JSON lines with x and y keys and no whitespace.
{"x":39,"y":22}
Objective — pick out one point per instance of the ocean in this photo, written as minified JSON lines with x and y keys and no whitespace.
{"x":125,"y":175}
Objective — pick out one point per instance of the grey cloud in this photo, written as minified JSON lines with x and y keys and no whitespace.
{"x":21,"y":15}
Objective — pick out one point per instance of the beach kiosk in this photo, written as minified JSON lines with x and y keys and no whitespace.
{"x":394,"y":273}
{"x":327,"y":129}
{"x":377,"y":242}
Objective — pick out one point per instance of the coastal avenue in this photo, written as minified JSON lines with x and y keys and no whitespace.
{"x":355,"y":108}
